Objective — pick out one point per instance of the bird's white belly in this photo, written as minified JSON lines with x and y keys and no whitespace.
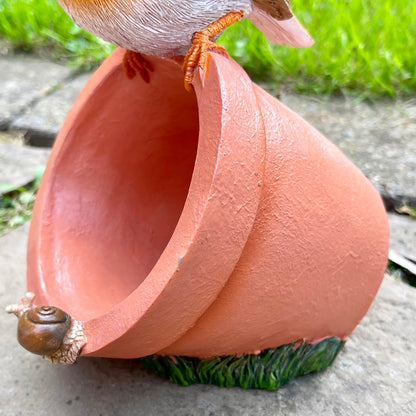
{"x":154,"y":27}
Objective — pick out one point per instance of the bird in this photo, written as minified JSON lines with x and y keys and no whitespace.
{"x":189,"y":28}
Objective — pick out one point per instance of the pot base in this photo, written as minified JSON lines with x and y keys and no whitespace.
{"x":269,"y":370}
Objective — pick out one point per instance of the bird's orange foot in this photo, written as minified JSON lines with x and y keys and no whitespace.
{"x":198,"y":54}
{"x":135,"y":63}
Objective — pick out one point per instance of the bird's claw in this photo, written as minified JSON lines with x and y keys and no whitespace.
{"x":198,"y":57}
{"x":135,"y":63}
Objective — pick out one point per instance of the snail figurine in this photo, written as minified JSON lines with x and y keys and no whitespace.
{"x":48,"y":331}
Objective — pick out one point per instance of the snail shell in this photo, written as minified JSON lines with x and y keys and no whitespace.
{"x":42,"y":330}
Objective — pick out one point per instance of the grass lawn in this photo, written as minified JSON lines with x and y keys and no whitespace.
{"x":16,"y":203}
{"x":362,"y":47}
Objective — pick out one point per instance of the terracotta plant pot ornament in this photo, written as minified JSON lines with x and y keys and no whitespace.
{"x":214,"y":234}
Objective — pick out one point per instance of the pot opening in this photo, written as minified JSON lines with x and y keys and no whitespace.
{"x":118,"y":188}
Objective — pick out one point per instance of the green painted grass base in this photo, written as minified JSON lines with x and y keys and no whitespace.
{"x":269,"y":370}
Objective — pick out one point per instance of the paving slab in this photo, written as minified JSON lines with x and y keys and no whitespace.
{"x":403,"y":235}
{"x":18,"y":163}
{"x":374,"y":374}
{"x":25,"y":79}
{"x":43,"y":120}
{"x":379,"y":137}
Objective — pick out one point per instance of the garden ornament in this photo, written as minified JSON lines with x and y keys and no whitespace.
{"x":223,"y":234}
{"x":211,"y":232}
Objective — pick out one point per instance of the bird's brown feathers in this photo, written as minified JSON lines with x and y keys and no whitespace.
{"x":279,"y":9}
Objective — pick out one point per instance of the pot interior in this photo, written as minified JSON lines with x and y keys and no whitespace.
{"x":121,"y":172}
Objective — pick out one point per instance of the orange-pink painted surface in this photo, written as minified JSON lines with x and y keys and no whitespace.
{"x":201,"y":224}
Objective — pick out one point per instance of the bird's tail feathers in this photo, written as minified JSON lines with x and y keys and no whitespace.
{"x":282,"y":32}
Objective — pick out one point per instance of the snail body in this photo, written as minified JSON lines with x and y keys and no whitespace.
{"x":42,"y":330}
